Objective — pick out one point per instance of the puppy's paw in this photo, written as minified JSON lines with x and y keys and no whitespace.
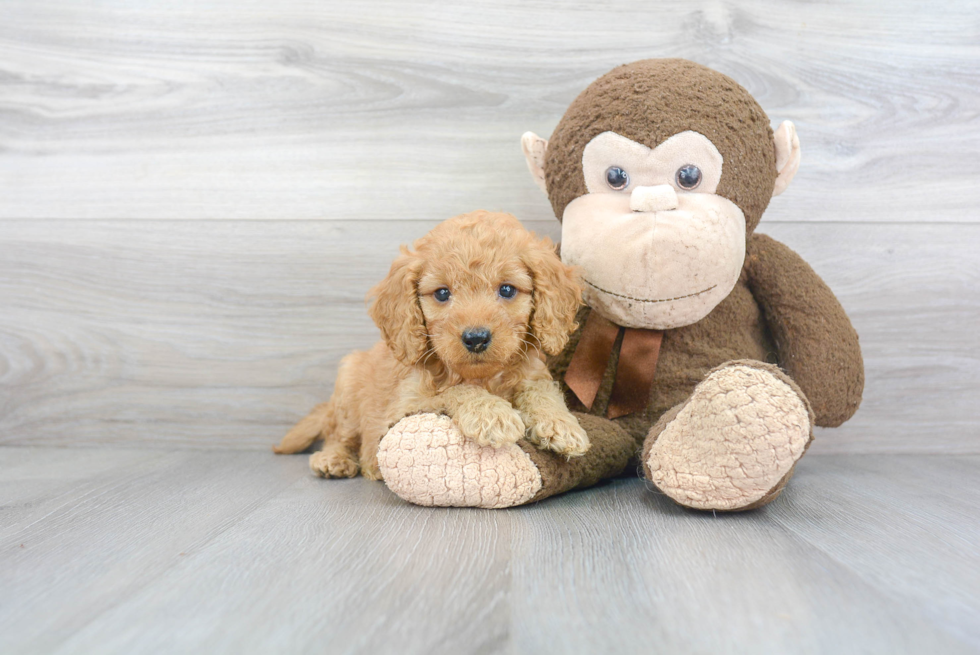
{"x":369,"y":468}
{"x":334,"y":463}
{"x":560,"y":433}
{"x":490,"y":421}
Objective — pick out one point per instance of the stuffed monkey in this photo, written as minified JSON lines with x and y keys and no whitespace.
{"x":705,"y":349}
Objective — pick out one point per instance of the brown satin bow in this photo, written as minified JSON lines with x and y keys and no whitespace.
{"x":634,"y":374}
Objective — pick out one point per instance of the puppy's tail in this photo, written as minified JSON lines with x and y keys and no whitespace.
{"x":317,"y":425}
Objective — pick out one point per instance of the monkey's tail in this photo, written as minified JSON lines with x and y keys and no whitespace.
{"x":321,"y":422}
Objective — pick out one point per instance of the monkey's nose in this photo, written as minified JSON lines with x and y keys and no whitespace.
{"x":476,"y":340}
{"x":653,"y":198}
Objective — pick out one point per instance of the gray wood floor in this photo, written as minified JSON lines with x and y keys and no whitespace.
{"x":194,"y":198}
{"x":132,"y":551}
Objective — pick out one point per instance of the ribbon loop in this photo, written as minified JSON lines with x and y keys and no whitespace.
{"x":591,"y":356}
{"x":637,"y":366}
{"x":634,"y":374}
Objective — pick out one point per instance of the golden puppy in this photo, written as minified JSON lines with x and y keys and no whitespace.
{"x":466,"y":319}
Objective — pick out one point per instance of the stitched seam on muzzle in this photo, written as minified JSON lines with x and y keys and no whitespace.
{"x":621,"y":295}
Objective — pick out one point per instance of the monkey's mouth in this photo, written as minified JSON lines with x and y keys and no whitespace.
{"x":659,"y":300}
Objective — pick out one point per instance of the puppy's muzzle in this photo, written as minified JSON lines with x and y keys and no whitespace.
{"x":476,"y":340}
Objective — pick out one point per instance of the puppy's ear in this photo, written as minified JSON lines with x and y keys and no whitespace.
{"x":557,"y":296}
{"x":396,"y":311}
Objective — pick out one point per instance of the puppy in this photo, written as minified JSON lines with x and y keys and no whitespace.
{"x":466,"y":319}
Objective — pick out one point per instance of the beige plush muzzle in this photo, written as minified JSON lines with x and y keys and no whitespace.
{"x":654,"y":269}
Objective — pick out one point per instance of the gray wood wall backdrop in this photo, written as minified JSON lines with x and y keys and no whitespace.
{"x":196,"y":194}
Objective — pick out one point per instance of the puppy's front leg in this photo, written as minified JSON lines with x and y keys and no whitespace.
{"x":551,"y":426}
{"x":487,"y":419}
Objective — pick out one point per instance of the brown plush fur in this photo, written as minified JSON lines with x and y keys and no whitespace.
{"x":422,"y":365}
{"x":816,"y":342}
{"x":609,"y":455}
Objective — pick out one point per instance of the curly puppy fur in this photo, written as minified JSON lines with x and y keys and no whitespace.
{"x":495,"y":396}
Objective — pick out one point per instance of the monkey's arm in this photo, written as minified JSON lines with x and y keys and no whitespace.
{"x":816,"y":343}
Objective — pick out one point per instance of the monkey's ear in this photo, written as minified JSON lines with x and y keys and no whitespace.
{"x":787,"y":156}
{"x":396,"y":310}
{"x":534,"y":148}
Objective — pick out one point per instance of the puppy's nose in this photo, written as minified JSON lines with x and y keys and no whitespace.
{"x":476,"y":340}
{"x":653,"y":198}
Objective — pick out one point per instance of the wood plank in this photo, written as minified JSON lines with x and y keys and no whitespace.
{"x":863,"y":511}
{"x":31,"y":492}
{"x":851,"y":559}
{"x":70,"y":555}
{"x":221,"y":334}
{"x":206,"y":334}
{"x":338,"y":565}
{"x":243,"y":109}
{"x":652,"y":575}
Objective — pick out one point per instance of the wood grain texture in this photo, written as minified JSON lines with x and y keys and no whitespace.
{"x":414,"y":109}
{"x":222,"y":334}
{"x":899,"y":500}
{"x":213,"y":552}
{"x":101,"y":524}
{"x":128,"y":320}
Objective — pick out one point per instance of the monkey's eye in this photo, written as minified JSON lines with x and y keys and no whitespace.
{"x":507,"y":291}
{"x":617,"y":178}
{"x":688,"y":177}
{"x":441,"y":295}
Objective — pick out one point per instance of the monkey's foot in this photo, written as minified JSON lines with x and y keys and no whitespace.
{"x":733,"y":444}
{"x":426,"y":460}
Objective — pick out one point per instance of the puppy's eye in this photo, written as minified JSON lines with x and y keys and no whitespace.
{"x":688,"y":177}
{"x":617,"y":178}
{"x":507,"y":291}
{"x":442,"y":295}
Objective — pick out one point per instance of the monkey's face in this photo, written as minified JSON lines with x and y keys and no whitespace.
{"x":659,"y":248}
{"x":634,"y":170}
